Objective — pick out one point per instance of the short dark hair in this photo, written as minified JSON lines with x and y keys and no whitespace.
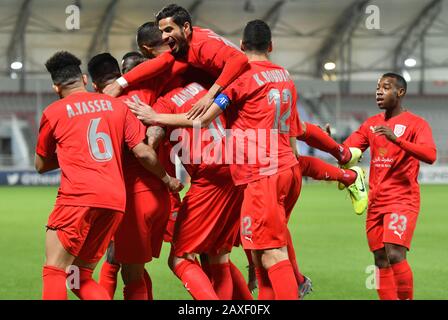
{"x":179,"y":14}
{"x":400,"y":80}
{"x":102,"y":68}
{"x":130,"y":60}
{"x":257,"y":36}
{"x":64,"y":68}
{"x":149,"y":34}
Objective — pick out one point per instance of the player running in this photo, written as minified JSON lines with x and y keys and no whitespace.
{"x":84,"y":134}
{"x":398,"y":140}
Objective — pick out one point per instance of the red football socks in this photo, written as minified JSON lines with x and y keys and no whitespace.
{"x":222,"y":280}
{"x":292,"y":258}
{"x":136,"y":290}
{"x":320,"y":170}
{"x":195,"y":280}
{"x":387,"y":289}
{"x":403,"y":280}
{"x":108,"y":277}
{"x":54,"y":283}
{"x":283,"y":281}
{"x":89,"y":289}
{"x":317,"y":138}
{"x":265,"y":290}
{"x":148,"y":283}
{"x":240,"y":288}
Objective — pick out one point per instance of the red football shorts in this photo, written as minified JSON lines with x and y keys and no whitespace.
{"x":175,"y":205}
{"x":208,"y":219}
{"x":266,"y":209}
{"x":140,"y":235}
{"x":85,"y":232}
{"x":396,"y":228}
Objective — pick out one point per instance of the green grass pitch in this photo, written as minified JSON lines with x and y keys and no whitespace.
{"x":329,"y":239}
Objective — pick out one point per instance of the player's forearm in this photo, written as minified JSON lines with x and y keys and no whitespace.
{"x":234,"y":66}
{"x":421,"y":152}
{"x":214,"y":90}
{"x":43,"y":165}
{"x":149,"y":160}
{"x":173,"y":120}
{"x":147,"y":70}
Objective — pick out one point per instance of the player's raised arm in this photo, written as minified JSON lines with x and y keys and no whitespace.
{"x":358,"y":139}
{"x":234,"y":63}
{"x":148,"y":116}
{"x":146,"y":70}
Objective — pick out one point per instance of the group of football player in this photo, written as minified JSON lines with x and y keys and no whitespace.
{"x":193,"y":94}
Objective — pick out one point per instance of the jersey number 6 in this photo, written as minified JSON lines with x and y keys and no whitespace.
{"x":100,"y":144}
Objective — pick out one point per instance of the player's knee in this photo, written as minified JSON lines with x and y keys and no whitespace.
{"x":273,"y":256}
{"x":381,"y":259}
{"x":132,"y":272}
{"x":396,"y":256}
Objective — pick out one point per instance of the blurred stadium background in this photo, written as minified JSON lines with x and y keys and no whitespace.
{"x":328,"y":46}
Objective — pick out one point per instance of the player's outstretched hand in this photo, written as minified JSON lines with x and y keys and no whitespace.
{"x":142,"y":111}
{"x":113,"y":89}
{"x":200,"y":107}
{"x":385,"y":131}
{"x":174,"y":185}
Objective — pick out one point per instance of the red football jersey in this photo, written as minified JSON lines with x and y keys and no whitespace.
{"x":204,"y":159}
{"x":88,"y":132}
{"x":138,"y":178}
{"x":207,"y":51}
{"x":212,"y":53}
{"x":393,"y":171}
{"x":263,"y":111}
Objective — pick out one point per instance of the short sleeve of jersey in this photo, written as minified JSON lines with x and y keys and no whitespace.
{"x":46,"y":143}
{"x":359,"y":138}
{"x":237,"y":90}
{"x":134,"y":130}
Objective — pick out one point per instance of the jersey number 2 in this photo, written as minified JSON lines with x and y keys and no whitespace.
{"x":100,"y":144}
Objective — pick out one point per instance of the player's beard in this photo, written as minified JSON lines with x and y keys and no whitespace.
{"x":182,"y":44}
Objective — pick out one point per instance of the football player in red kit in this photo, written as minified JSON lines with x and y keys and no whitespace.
{"x":200,"y":48}
{"x":312,"y":132}
{"x":139,"y":237}
{"x":398,"y":141}
{"x":84,"y":134}
{"x":272,"y":182}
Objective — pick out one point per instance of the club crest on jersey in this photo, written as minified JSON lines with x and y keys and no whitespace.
{"x":399,"y":130}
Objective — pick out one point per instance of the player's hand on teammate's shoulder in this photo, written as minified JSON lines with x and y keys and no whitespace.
{"x":174,"y":185}
{"x":113,"y":89}
{"x":143,"y":111}
{"x":200,"y":107}
{"x":385,"y":131}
